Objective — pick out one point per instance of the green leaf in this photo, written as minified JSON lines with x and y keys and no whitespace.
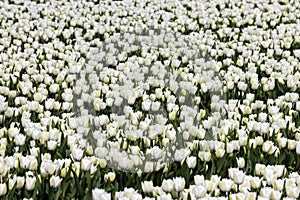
{"x":37,"y":187}
{"x":65,"y":186}
{"x":77,"y":184}
{"x":185,"y":172}
{"x":281,"y":158}
{"x":88,"y":180}
{"x":116,"y":188}
{"x":62,"y":147}
{"x":96,"y":178}
{"x":58,"y":194}
{"x":211,"y":170}
{"x":220,"y":164}
{"x":89,"y":195}
{"x":11,"y":192}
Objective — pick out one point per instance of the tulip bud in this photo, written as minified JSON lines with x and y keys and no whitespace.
{"x":63,"y":172}
{"x":241,"y":162}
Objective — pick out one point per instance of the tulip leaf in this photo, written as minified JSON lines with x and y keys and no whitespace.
{"x":12,"y":192}
{"x":77,"y":183}
{"x":62,"y":148}
{"x":58,"y":194}
{"x":116,"y":187}
{"x":220,"y":163}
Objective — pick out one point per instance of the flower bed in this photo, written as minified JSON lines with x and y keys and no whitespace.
{"x":149,"y":100}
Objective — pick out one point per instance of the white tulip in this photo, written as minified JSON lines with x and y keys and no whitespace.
{"x":204,"y":88}
{"x":54,"y":88}
{"x":171,"y":134}
{"x":262,"y":117}
{"x":242,"y":86}
{"x":238,"y":176}
{"x":55,"y":181}
{"x":181,"y":154}
{"x":282,"y":142}
{"x":100,"y":194}
{"x":266,"y":192}
{"x":225,"y":185}
{"x":13,"y":132}
{"x":199,"y":191}
{"x":279,"y":184}
{"x":33,"y":164}
{"x":19,"y":139}
{"x":20,"y":182}
{"x":131,"y":100}
{"x":241,"y":162}
{"x":259,"y":169}
{"x":291,"y":144}
{"x":3,"y":169}
{"x":147,"y":186}
{"x":51,"y":145}
{"x":298,"y":147}
{"x":86,"y":164}
{"x":77,"y":153}
{"x":155,"y":106}
{"x":298,"y":105}
{"x":146,"y":105}
{"x":259,"y":140}
{"x":49,"y":104}
{"x":267,"y":145}
{"x":24,"y":162}
{"x":167,"y":185}
{"x":292,"y":191}
{"x":291,"y":81}
{"x":12,"y":181}
{"x":57,"y":105}
{"x":148,"y":167}
{"x":204,"y":156}
{"x":255,"y":182}
{"x":3,"y":189}
{"x":67,"y":97}
{"x":30,"y":183}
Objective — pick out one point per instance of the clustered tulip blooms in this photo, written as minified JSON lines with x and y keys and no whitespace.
{"x":149,"y":100}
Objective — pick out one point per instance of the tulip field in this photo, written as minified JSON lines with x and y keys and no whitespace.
{"x":150,"y":99}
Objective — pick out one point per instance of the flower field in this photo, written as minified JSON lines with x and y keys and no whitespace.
{"x":150,"y":99}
